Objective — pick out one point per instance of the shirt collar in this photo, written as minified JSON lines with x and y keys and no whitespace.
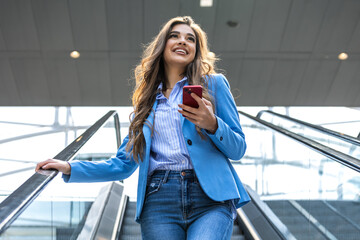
{"x":181,"y":83}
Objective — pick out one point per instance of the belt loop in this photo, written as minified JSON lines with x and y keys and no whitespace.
{"x":166,"y":176}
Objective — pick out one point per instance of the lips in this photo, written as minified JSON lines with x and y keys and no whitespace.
{"x":181,"y":51}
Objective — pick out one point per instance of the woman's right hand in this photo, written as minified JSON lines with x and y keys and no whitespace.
{"x":61,"y":166}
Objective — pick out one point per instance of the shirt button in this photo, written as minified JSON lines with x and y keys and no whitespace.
{"x":189,"y":142}
{"x":221,"y":138}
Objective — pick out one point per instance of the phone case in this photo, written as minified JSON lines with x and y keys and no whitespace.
{"x":188,"y":99}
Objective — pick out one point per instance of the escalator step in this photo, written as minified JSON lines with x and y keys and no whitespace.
{"x":131,"y":230}
{"x":237,"y":237}
{"x":129,"y":220}
{"x":130,"y":237}
{"x":236,"y":230}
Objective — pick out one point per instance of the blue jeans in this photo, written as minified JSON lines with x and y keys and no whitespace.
{"x":176,"y":207}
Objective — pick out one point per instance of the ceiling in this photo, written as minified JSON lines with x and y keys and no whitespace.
{"x":281,"y":53}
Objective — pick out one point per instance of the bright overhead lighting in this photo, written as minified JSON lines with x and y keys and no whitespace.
{"x":75,"y":54}
{"x":206,"y":3}
{"x":343,"y":56}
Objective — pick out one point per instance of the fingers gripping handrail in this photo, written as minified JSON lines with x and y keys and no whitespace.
{"x":23,"y":196}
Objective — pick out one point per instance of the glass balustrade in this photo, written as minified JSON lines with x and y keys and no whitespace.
{"x":61,"y":208}
{"x":314,"y":196}
{"x":321,"y":137}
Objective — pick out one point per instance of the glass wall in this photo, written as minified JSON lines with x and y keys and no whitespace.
{"x":331,"y":141}
{"x":314,"y":196}
{"x":60,"y":210}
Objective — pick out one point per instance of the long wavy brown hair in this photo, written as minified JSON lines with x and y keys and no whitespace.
{"x":151,"y":72}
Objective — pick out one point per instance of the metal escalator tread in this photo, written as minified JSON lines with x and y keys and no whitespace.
{"x":237,"y":234}
{"x":131,"y":230}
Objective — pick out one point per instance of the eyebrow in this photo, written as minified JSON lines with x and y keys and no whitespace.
{"x":186,"y":34}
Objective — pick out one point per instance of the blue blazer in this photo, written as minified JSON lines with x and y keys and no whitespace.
{"x":210,"y":157}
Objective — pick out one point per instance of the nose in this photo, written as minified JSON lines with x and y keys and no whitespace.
{"x":182,"y":41}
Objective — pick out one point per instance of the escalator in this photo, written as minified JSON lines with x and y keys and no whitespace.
{"x":300,"y":189}
{"x":308,"y":180}
{"x":336,"y":140}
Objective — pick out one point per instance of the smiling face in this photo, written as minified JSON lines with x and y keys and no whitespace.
{"x":180,"y":48}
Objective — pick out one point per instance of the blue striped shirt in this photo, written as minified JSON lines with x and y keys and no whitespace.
{"x":168,"y":148}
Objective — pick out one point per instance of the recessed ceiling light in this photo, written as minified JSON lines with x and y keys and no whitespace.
{"x":206,"y":3}
{"x":75,"y":54}
{"x":343,"y":56}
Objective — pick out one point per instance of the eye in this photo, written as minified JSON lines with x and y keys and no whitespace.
{"x":173,"y":35}
{"x":192,"y":39}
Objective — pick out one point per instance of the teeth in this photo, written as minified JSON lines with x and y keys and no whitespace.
{"x":180,"y":50}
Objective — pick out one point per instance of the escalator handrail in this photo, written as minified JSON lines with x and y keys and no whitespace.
{"x":338,"y":135}
{"x":331,"y":153}
{"x":24,"y":195}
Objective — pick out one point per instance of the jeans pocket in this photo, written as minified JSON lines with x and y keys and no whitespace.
{"x":153,"y":187}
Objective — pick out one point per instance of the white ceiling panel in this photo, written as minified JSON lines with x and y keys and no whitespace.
{"x":285,"y":80}
{"x":31,"y":80}
{"x":356,"y":102}
{"x":94,"y":79}
{"x":231,"y":68}
{"x":52,"y":19}
{"x":122,"y":81}
{"x":268,"y":24}
{"x":17,"y":25}
{"x":226,"y":38}
{"x":2,"y":41}
{"x":303,"y":24}
{"x":204,"y":16}
{"x":125,"y":21}
{"x":333,"y":35}
{"x":63,"y":82}
{"x":354,"y":45}
{"x":157,"y":13}
{"x":89,"y":26}
{"x":345,"y":87}
{"x":255,"y":78}
{"x":317,"y":81}
{"x":8,"y":91}
{"x":281,"y":53}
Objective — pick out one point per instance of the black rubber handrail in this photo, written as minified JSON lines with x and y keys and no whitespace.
{"x":321,"y":129}
{"x":23,"y":196}
{"x":331,"y":153}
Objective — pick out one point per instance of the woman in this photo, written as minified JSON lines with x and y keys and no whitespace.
{"x":187,"y":187}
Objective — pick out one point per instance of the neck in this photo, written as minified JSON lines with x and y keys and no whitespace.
{"x":173,"y":75}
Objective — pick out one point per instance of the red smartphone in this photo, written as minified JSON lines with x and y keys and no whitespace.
{"x":188,"y":99}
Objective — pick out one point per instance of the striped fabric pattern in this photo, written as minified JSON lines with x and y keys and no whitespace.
{"x":168,"y":147}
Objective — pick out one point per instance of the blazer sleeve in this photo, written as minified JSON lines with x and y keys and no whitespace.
{"x":229,"y":137}
{"x":116,"y":168}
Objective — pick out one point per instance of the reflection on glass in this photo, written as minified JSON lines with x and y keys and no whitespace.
{"x":315,"y":197}
{"x":60,"y":210}
{"x":323,"y":138}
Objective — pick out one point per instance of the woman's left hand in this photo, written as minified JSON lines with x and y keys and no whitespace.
{"x":203,"y":116}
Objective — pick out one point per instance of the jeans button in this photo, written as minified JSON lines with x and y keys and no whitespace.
{"x":183,"y":173}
